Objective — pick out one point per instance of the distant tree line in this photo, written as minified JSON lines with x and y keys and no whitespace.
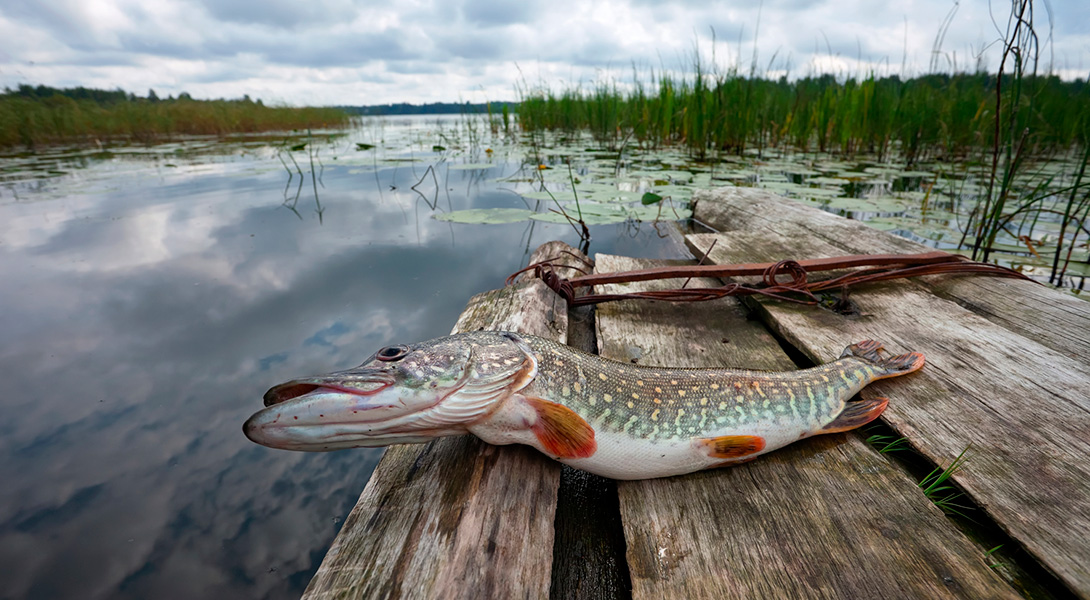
{"x":111,"y":97}
{"x":33,"y":116}
{"x":103,"y":97}
{"x":434,"y":108}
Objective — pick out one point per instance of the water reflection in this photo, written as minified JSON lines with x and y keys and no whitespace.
{"x":147,"y":307}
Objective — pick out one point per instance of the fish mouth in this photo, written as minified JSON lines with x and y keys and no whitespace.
{"x":363,"y":386}
{"x":324,"y":412}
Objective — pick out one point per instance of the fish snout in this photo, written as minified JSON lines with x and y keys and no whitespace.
{"x":252,"y":429}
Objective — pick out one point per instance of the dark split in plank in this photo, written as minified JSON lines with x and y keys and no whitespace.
{"x":456,"y":518}
{"x":828,"y":517}
{"x":588,"y":544}
{"x":824,"y":518}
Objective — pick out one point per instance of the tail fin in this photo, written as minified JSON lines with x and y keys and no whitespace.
{"x":891,"y":366}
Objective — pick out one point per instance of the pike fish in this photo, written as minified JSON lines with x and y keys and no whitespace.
{"x":611,"y":418}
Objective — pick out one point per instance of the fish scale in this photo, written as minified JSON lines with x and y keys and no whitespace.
{"x":612,"y":418}
{"x":672,"y":403}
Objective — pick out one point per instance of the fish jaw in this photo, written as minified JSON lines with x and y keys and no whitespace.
{"x":342,"y":410}
{"x":419,"y":392}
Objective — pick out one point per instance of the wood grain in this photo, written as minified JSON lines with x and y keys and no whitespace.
{"x":823,"y":518}
{"x":1010,"y":381}
{"x":456,"y":518}
{"x":1005,"y":302}
{"x":588,"y":543}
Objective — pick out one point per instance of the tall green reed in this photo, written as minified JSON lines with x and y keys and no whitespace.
{"x":714,"y":111}
{"x":1006,"y":120}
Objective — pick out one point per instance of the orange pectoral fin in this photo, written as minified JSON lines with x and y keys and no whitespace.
{"x":561,"y":431}
{"x":732,"y":446}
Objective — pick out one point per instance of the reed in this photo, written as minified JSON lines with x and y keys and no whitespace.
{"x":714,"y":112}
{"x":31,"y":119}
{"x":1007,"y":121}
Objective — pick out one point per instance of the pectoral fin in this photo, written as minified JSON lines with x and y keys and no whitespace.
{"x":731,"y":446}
{"x":561,"y":431}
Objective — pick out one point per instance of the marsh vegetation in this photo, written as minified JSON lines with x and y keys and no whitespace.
{"x":32,"y":117}
{"x":988,"y":164}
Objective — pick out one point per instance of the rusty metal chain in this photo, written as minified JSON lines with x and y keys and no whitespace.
{"x":799,"y":289}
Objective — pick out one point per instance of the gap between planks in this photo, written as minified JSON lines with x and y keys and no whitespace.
{"x":825,"y":518}
{"x":1009,"y":378}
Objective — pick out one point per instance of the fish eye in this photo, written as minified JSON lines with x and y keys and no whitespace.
{"x":392,"y":353}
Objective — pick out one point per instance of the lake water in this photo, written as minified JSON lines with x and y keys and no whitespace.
{"x":151,"y":296}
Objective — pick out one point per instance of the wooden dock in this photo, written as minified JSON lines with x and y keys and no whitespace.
{"x":1008,"y":378}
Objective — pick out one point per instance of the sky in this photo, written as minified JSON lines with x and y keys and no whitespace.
{"x":347,"y":52}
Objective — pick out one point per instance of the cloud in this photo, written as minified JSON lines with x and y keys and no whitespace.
{"x":489,"y":14}
{"x":346,"y":52}
{"x":289,"y":15}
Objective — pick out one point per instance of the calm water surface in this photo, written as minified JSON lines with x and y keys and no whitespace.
{"x":148,"y":301}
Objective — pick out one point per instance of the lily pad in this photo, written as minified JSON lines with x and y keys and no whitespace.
{"x":486,"y":216}
{"x":798,"y":170}
{"x":884,"y":224}
{"x":853,"y":205}
{"x":666,"y":211}
{"x":595,"y":213}
{"x":675,"y":192}
{"x":737,"y":174}
{"x":614,"y":195}
{"x":559,"y":195}
{"x":674,"y":176}
{"x":471,"y":166}
{"x":779,"y":186}
{"x":588,"y":218}
{"x":913,"y":174}
{"x":826,"y":180}
{"x":806,"y":192}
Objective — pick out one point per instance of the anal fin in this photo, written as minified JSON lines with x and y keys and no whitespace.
{"x":731,"y":446}
{"x":856,"y":414}
{"x":561,"y":431}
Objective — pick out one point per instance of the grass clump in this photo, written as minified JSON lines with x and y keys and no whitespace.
{"x":36,"y":116}
{"x":937,"y":484}
{"x":941,"y":493}
{"x":885,"y":444}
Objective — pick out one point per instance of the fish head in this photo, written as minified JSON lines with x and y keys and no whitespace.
{"x":401,"y":394}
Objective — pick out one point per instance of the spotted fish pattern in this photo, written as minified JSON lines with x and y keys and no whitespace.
{"x":654,"y":403}
{"x":612,"y":418}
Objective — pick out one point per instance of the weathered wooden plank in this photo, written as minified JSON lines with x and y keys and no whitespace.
{"x":824,"y":518}
{"x":456,"y":518}
{"x":588,"y":544}
{"x":1022,"y":405}
{"x":1003,"y":301}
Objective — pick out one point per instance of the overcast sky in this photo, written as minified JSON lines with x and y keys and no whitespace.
{"x":365,"y":52}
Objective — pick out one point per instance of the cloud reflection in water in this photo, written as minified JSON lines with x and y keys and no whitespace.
{"x":145,"y":312}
